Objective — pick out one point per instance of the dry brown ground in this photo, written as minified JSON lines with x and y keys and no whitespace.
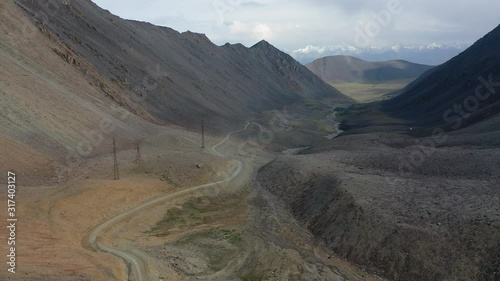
{"x":252,"y":238}
{"x":53,"y":220}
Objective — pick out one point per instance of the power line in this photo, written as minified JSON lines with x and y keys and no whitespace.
{"x":116,"y":171}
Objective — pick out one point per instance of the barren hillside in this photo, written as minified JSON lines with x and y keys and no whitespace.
{"x":363,"y":196}
{"x":174,"y":77}
{"x":72,"y":75}
{"x":457,"y":94}
{"x":335,"y":69}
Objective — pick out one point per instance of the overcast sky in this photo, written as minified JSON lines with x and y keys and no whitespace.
{"x":294,"y":24}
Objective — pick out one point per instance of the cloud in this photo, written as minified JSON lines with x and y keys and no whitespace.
{"x":263,"y":31}
{"x":318,"y":51}
{"x":309,"y":49}
{"x":256,"y":31}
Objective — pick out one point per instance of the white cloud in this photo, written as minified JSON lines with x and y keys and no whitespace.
{"x":310,"y":50}
{"x":263,"y":31}
{"x":253,"y":31}
{"x":318,"y":51}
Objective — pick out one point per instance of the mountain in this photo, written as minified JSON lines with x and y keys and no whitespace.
{"x":338,"y":69}
{"x":466,"y":81}
{"x":195,"y":77}
{"x":454,"y":95}
{"x":430,"y":54}
{"x":70,"y":68}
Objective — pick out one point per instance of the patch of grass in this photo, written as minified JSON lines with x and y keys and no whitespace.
{"x":252,"y":276}
{"x":326,"y":128}
{"x":193,"y":212}
{"x":312,"y":102}
{"x":368,"y":92}
{"x":197,"y":211}
{"x":232,"y":236}
{"x":218,"y":254}
{"x":319,"y":115}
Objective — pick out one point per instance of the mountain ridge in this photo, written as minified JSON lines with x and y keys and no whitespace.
{"x":91,"y":69}
{"x":342,"y":69}
{"x":192,"y":51}
{"x":455,"y":95}
{"x":453,"y":83}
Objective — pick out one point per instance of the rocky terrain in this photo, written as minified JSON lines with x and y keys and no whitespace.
{"x":366,"y":200}
{"x":169,"y":77}
{"x":275,"y":193}
{"x":73,"y":77}
{"x":411,"y":189}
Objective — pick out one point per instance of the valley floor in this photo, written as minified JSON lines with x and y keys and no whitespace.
{"x":263,"y":203}
{"x":233,"y":230}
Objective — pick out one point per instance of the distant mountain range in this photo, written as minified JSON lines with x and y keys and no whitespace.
{"x":340,"y":69}
{"x":469,"y":81}
{"x":457,"y":94}
{"x":430,"y":54}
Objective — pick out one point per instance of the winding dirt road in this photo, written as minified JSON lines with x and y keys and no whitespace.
{"x":135,"y":263}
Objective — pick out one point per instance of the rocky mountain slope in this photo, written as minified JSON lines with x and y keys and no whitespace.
{"x":190,"y":76}
{"x":370,"y":204}
{"x":73,"y":75}
{"x":456,"y":94}
{"x":469,"y":81}
{"x":340,"y":69}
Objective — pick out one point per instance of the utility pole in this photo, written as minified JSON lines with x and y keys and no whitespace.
{"x":202,"y":134}
{"x":116,"y":171}
{"x":138,"y":158}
